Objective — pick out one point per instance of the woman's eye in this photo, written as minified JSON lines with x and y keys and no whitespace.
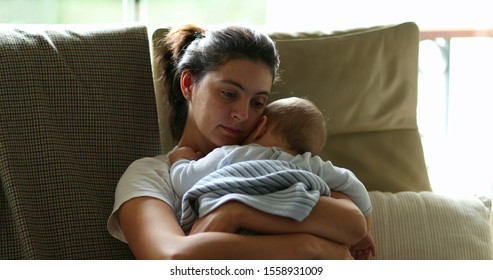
{"x":228,"y":94}
{"x":258,"y":104}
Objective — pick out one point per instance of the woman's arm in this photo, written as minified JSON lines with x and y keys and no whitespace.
{"x":152,"y":232}
{"x":336,"y":219}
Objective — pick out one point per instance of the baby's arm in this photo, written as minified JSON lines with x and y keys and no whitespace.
{"x":183,"y":153}
{"x":338,"y":179}
{"x":188,"y":166}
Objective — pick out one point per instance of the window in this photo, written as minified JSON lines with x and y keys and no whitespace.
{"x":151,"y":12}
{"x":454,"y":113}
{"x":61,"y":11}
{"x":167,"y":12}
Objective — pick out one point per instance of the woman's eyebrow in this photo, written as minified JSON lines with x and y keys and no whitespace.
{"x":238,"y":85}
{"x":231,"y":82}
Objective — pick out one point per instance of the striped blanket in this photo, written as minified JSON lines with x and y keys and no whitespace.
{"x":273,"y":186}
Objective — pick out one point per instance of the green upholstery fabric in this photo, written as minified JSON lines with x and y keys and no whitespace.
{"x":365,"y":81}
{"x":77,"y":106}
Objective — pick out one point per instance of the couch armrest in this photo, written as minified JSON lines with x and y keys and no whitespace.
{"x":425,"y":225}
{"x":77,"y":106}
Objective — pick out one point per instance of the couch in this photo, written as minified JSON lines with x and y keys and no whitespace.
{"x":78,"y":104}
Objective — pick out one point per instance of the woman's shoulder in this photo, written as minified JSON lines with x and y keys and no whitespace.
{"x":147,"y":176}
{"x":158,"y":161}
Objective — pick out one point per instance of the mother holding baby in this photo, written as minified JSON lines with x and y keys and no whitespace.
{"x":217,"y":84}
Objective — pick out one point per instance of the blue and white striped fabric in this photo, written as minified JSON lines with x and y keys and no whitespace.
{"x":273,"y":186}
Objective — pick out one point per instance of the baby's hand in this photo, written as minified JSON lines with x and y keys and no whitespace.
{"x":184,"y":153}
{"x":362,"y":249}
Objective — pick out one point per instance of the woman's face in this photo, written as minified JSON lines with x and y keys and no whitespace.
{"x":225,"y":106}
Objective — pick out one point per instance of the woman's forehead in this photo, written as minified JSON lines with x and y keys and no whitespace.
{"x":245,"y":74}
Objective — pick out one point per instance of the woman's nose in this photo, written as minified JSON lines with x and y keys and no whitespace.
{"x":240,"y":112}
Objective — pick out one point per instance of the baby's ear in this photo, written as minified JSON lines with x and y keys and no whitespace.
{"x":258,"y":132}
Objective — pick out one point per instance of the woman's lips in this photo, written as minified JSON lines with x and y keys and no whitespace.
{"x":231,"y":130}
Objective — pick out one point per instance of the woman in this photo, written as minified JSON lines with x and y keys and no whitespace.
{"x":217,"y":84}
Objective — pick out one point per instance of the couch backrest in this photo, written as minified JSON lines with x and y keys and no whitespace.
{"x":365,"y":81}
{"x":77,"y":106}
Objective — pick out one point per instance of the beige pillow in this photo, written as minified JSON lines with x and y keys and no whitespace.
{"x":424,"y":225}
{"x":365,"y":81}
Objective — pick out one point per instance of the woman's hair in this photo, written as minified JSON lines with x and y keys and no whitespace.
{"x":299,"y":122}
{"x":199,"y":51}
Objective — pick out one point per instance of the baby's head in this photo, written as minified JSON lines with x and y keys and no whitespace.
{"x":299,"y":122}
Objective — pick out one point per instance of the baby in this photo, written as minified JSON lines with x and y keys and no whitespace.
{"x":293,"y":130}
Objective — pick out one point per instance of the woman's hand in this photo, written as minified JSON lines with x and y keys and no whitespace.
{"x":364,"y":248}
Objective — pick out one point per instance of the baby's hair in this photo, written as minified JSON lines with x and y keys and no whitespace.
{"x":299,"y":122}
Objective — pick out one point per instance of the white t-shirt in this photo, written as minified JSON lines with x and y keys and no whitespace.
{"x":144,"y":177}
